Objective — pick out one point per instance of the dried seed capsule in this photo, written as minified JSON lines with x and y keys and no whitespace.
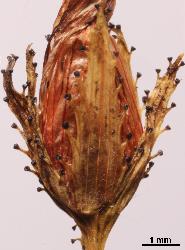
{"x":97,"y":117}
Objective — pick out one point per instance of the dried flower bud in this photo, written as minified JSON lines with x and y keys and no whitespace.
{"x":86,"y":136}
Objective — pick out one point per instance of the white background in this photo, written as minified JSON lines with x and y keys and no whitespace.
{"x":30,"y":220}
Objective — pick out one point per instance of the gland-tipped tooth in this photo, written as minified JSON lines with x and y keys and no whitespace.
{"x":74,"y":240}
{"x":7,"y":80}
{"x":170,"y":60}
{"x":31,"y":71}
{"x":14,"y":126}
{"x":11,"y":62}
{"x":159,"y":153}
{"x":174,"y":67}
{"x":74,"y":227}
{"x":146,"y":173}
{"x":28,"y":169}
{"x":132,"y":49}
{"x":173,"y":105}
{"x":167,"y":128}
{"x":24,"y":87}
{"x":158,"y":71}
{"x":138,"y":76}
{"x":26,"y":152}
{"x":121,"y":40}
{"x":40,"y":189}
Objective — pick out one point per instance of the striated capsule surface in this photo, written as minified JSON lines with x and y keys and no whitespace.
{"x":89,"y":111}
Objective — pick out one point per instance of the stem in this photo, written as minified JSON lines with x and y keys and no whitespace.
{"x":95,"y":229}
{"x":93,"y":239}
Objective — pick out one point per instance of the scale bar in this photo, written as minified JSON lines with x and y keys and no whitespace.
{"x":161,"y":245}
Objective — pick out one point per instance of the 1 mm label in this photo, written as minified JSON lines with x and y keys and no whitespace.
{"x":161,"y":241}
